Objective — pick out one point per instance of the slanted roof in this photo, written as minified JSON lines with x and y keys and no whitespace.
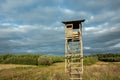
{"x":75,"y":23}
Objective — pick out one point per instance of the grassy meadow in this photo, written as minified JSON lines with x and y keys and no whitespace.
{"x":94,"y":69}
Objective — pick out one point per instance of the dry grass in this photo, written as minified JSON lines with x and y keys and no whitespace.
{"x":54,"y":72}
{"x":102,"y":71}
{"x":10,"y":66}
{"x":98,"y":71}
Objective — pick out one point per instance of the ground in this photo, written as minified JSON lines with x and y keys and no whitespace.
{"x":98,"y":71}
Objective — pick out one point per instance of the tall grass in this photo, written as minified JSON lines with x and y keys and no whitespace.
{"x":54,"y":72}
{"x":98,"y":71}
{"x":102,"y":72}
{"x":93,"y":68}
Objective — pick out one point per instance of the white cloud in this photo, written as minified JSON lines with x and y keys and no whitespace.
{"x":12,"y":4}
{"x":91,"y":29}
{"x":97,"y":3}
{"x":17,"y":28}
{"x":117,"y":45}
{"x":68,"y":11}
{"x":9,"y":30}
{"x":91,"y":17}
{"x":99,"y":29}
{"x":17,"y":42}
{"x":71,"y":14}
{"x":86,"y":47}
{"x":29,"y":51}
{"x":25,"y":28}
{"x":103,"y":16}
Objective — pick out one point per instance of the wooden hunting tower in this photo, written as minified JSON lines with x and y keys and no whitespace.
{"x":73,"y":49}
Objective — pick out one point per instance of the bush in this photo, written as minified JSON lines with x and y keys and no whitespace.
{"x":109,"y":57}
{"x":89,"y":60}
{"x":5,"y":56}
{"x":57,"y":59}
{"x":44,"y":60}
{"x":21,"y":60}
{"x":1,"y":60}
{"x":29,"y":59}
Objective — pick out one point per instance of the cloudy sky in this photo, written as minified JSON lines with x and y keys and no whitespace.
{"x":34,"y":26}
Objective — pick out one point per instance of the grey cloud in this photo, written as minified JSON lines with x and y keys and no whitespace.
{"x":13,"y":4}
{"x":102,"y":39}
{"x":34,"y":38}
{"x":35,"y":25}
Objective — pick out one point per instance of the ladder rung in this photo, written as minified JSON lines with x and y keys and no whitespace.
{"x":80,"y":58}
{"x":76,"y":67}
{"x":76,"y":78}
{"x":73,"y":55}
{"x":76,"y":73}
{"x":76,"y":58}
{"x":75,"y":63}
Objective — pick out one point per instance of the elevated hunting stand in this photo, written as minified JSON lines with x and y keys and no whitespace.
{"x":73,"y":49}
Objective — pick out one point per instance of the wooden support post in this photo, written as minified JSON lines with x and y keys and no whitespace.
{"x":74,"y":49}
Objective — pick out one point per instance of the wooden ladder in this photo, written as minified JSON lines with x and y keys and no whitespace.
{"x":76,"y":71}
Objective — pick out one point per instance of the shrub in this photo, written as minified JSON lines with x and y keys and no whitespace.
{"x":44,"y":60}
{"x":21,"y":60}
{"x":29,"y":59}
{"x":109,"y":57}
{"x":89,"y":60}
{"x":57,"y":59}
{"x":1,"y":59}
{"x":5,"y":56}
